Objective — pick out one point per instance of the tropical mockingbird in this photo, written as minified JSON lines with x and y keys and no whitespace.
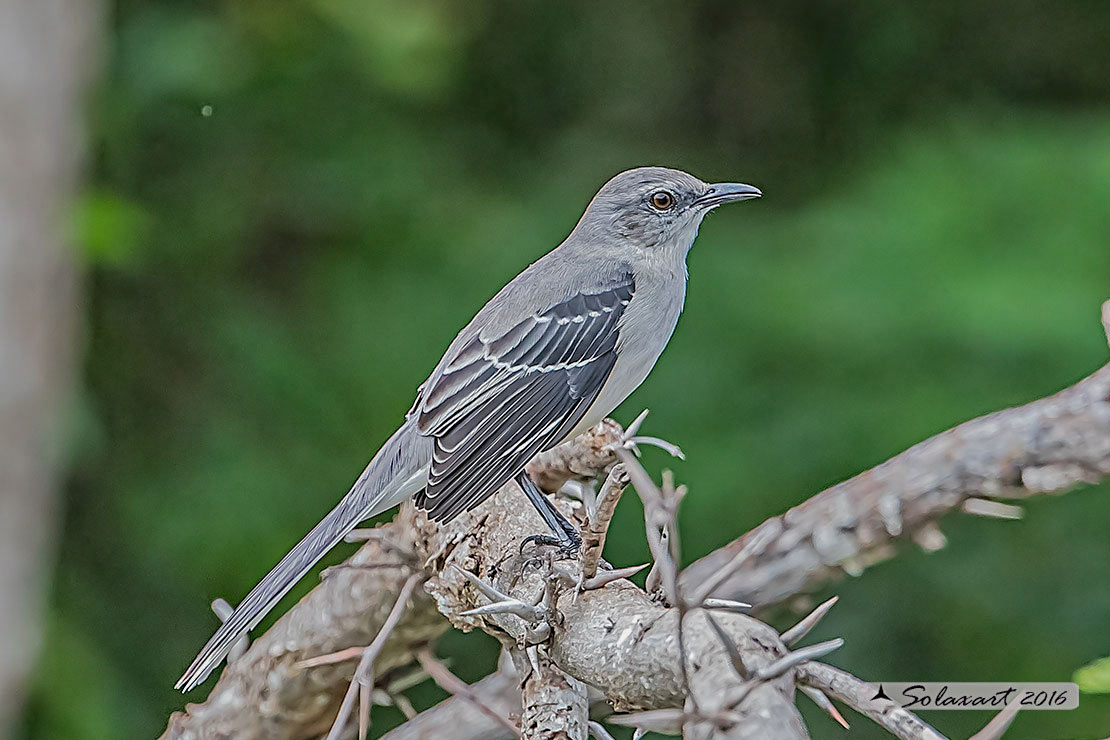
{"x":553,"y":353}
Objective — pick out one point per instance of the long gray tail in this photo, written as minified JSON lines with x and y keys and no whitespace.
{"x":385,"y":482}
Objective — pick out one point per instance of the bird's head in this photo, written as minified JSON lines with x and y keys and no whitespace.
{"x":654,"y":210}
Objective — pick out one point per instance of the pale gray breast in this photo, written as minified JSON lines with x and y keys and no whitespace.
{"x":645,"y":329}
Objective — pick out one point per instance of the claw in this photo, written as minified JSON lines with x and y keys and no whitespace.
{"x":566,"y":549}
{"x":539,"y":540}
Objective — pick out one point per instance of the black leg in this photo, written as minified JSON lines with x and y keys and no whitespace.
{"x":566,"y":536}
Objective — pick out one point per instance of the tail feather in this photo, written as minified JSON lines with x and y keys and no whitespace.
{"x":381,"y":486}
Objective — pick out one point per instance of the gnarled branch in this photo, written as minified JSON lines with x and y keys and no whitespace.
{"x":1048,"y":446}
{"x":617,"y":639}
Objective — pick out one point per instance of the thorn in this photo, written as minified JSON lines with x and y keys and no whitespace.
{"x":565,"y":575}
{"x":599,"y":731}
{"x":364,"y":703}
{"x":656,"y":514}
{"x":638,"y":733}
{"x":407,"y":680}
{"x":666,"y":721}
{"x":345,"y":708}
{"x":577,"y":490}
{"x":992,"y":509}
{"x":538,"y":634}
{"x":670,"y":448}
{"x":645,"y":486}
{"x":634,"y":427}
{"x":826,"y":704}
{"x":1105,"y":321}
{"x":890,"y":510}
{"x":487,"y":589}
{"x":541,"y":595}
{"x":1001,"y":721}
{"x":455,"y":686}
{"x":328,"y":572}
{"x":670,"y":721}
{"x":853,"y":566}
{"x":930,"y":538}
{"x":533,"y":654}
{"x":801,"y":655}
{"x":791,"y":636}
{"x":515,"y":607}
{"x":402,"y":703}
{"x":367,"y":655}
{"x":742,"y":694}
{"x":364,"y":672}
{"x":730,"y":648}
{"x":238,"y":649}
{"x":549,"y":596}
{"x":605,"y":577}
{"x":663,"y":569}
{"x":667,"y":483}
{"x":757,"y":542}
{"x":337,"y":657}
{"x":364,"y":534}
{"x":725,"y":605}
{"x":224,"y":611}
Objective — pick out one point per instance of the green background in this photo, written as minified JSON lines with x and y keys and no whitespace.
{"x":269,"y":279}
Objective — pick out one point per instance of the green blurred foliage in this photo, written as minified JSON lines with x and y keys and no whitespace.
{"x":1094,"y":678}
{"x":294,"y":206}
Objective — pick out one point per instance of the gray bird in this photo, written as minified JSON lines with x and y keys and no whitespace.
{"x":552,"y":354}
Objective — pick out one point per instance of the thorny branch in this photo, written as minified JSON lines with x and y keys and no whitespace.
{"x":1048,"y":446}
{"x":556,"y":706}
{"x":601,"y":631}
{"x":363,"y":680}
{"x":599,"y":514}
{"x":858,"y":695}
{"x":455,"y":686}
{"x":477,"y":712}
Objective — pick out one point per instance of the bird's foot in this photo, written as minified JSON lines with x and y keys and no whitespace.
{"x":566,"y":547}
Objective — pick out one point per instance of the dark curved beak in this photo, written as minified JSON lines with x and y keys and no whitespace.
{"x":727,"y":192}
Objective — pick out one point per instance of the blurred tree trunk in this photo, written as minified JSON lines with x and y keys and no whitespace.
{"x":45,"y":52}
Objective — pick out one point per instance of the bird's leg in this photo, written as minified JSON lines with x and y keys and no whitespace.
{"x":566,"y":536}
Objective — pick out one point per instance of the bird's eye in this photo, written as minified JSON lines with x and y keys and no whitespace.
{"x":661,"y":200}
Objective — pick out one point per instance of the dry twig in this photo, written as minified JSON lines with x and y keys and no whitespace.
{"x":598,"y":518}
{"x":455,"y":686}
{"x":555,"y":705}
{"x":363,"y":679}
{"x":858,"y":695}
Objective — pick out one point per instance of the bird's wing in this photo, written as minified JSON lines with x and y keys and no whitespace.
{"x":499,"y":401}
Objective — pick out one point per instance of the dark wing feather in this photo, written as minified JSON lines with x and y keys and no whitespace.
{"x":500,"y":401}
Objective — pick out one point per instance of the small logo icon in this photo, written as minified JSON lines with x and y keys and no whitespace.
{"x":881,"y":695}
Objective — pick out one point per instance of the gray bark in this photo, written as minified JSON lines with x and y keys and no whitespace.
{"x":556,"y":706}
